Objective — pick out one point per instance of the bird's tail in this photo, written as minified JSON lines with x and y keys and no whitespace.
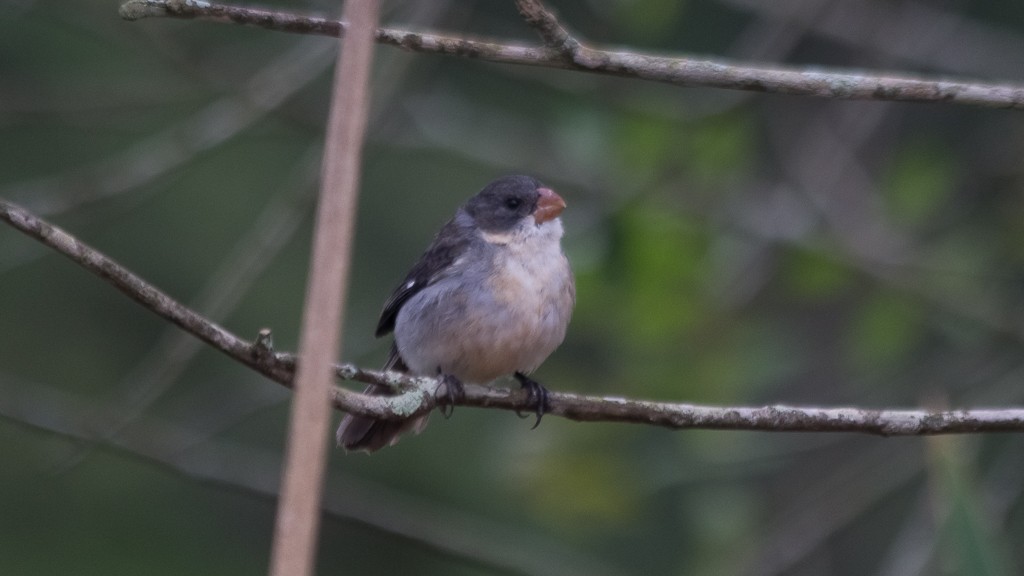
{"x":370,"y":434}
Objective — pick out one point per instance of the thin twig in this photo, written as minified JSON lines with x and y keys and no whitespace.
{"x":571,"y":54}
{"x":416,"y":393}
{"x":280,"y":368}
{"x":548,"y":27}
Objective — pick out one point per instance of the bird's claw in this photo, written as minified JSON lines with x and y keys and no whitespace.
{"x":536,"y":395}
{"x":448,"y":394}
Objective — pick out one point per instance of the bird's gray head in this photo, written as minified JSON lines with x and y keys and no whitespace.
{"x":505,"y":202}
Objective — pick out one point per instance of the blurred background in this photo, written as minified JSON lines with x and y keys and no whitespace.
{"x":730,"y":248}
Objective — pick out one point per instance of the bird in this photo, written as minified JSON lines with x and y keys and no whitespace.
{"x":490,"y":297}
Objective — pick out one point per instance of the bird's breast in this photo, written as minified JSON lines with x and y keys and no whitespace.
{"x":504,"y":316}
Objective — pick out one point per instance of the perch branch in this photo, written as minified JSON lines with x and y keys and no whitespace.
{"x":415,"y":394}
{"x":564,"y":51}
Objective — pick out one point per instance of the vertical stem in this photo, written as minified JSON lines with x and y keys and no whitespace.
{"x":298,"y":511}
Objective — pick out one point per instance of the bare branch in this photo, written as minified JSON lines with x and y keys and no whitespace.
{"x":158,"y":370}
{"x":416,"y":393}
{"x":548,"y":27}
{"x":278,"y":367}
{"x":570,"y":54}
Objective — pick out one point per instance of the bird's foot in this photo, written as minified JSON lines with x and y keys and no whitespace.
{"x":537,"y":396}
{"x":448,"y":393}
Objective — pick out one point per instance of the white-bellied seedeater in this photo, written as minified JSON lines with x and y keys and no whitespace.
{"x":490,"y":297}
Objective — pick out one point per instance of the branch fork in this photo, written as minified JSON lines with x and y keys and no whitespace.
{"x":563,"y":50}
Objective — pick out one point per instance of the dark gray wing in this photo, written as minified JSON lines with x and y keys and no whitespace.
{"x":450,"y":243}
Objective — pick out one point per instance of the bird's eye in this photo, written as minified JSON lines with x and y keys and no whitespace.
{"x":513,"y":203}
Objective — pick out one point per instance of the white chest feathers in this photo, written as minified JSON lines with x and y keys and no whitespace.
{"x":533,"y":288}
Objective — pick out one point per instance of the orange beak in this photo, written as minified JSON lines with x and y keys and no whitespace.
{"x":549,"y":206}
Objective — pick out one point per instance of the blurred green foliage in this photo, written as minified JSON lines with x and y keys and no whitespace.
{"x":730,"y":248}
